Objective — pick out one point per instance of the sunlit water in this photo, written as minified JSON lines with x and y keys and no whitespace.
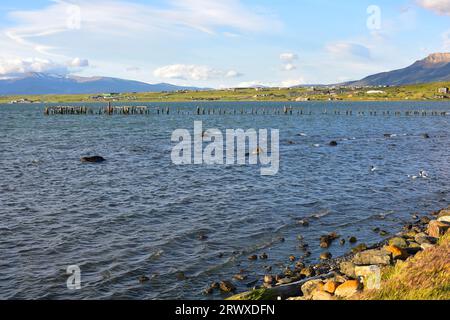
{"x":138,"y":214}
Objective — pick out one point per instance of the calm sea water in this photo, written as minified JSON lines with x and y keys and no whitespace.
{"x":138,"y":214}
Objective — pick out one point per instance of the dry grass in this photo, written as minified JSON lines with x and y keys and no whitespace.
{"x":426,"y":276}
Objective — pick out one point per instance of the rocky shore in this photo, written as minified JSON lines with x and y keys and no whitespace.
{"x":366,"y":271}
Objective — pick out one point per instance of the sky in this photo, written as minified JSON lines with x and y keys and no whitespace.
{"x":220,"y":43}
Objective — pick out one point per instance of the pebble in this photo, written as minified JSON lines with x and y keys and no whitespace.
{"x":253,"y":258}
{"x":325,"y":256}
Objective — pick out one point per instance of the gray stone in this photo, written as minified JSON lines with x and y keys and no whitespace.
{"x":373,"y":257}
{"x":348,"y":268}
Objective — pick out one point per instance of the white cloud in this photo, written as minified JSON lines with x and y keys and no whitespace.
{"x":33,"y":28}
{"x":78,"y":63}
{"x":441,"y":7}
{"x":289,"y":67}
{"x":233,"y":74}
{"x":20,"y":66}
{"x":193,"y":72}
{"x":349,"y":50}
{"x":288,"y":57}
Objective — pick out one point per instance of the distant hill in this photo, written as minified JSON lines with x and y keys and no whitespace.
{"x":41,"y":83}
{"x":434,"y":68}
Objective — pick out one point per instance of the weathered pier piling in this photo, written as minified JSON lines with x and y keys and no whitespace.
{"x":201,"y":111}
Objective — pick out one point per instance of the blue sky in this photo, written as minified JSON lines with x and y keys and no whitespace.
{"x":218,"y":43}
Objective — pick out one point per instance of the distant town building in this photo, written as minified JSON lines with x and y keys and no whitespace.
{"x":443,"y":90}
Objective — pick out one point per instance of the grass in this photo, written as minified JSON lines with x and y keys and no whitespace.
{"x":410,"y":92}
{"x":426,"y":276}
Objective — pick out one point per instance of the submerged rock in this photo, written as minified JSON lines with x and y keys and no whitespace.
{"x":333,"y":144}
{"x":227,"y":287}
{"x":325,"y":256}
{"x":143,"y":279}
{"x":240,"y":277}
{"x":95,"y":159}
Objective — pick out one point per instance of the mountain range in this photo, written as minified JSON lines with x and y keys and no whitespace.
{"x":41,"y":83}
{"x":434,"y":68}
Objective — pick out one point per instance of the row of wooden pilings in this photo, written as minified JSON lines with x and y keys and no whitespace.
{"x":144,"y":110}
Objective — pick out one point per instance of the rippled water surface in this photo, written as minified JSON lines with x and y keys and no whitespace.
{"x":138,"y":214}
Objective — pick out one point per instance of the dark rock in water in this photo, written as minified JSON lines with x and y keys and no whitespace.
{"x":215,"y":285}
{"x":240,"y":277}
{"x":333,"y":144}
{"x":208,"y":291}
{"x":264,"y":256}
{"x":426,"y":136}
{"x":143,"y":279}
{"x":383,"y":233}
{"x":95,"y":159}
{"x":304,"y":223}
{"x":299,"y":265}
{"x":227,"y":286}
{"x":342,"y":242}
{"x":202,"y":237}
{"x":180,"y":276}
{"x":388,"y":135}
{"x":326,"y":240}
{"x":376,"y":230}
{"x":353,"y":240}
{"x":308,"y":272}
{"x":253,"y":258}
{"x":325,"y":256}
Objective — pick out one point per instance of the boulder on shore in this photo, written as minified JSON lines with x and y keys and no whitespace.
{"x":437,"y":229}
{"x":348,"y":289}
{"x":373,"y":257}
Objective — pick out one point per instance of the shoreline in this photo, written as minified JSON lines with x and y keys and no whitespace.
{"x":226,"y":101}
{"x":361,"y":273}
